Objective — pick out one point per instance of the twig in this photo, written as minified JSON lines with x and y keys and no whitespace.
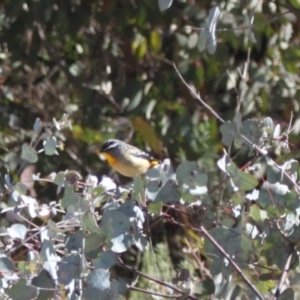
{"x":7,"y":252}
{"x":244,"y":76}
{"x":121,"y":264}
{"x":264,"y":154}
{"x":226,"y":255}
{"x":290,"y":128}
{"x":152,"y":293}
{"x":198,"y":97}
{"x":284,"y":274}
{"x":201,"y":265}
{"x":234,"y":265}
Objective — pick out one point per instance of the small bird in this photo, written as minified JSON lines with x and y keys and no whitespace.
{"x":126,"y":159}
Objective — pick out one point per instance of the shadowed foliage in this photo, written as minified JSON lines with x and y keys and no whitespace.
{"x":207,"y":87}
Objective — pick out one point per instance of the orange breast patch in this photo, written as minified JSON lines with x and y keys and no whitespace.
{"x":111,"y":160}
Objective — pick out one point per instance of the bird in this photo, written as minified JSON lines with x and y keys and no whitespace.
{"x":126,"y":159}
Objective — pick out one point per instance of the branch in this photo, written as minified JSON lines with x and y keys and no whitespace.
{"x":152,"y":293}
{"x":226,"y":255}
{"x":190,"y":297}
{"x":233,"y":264}
{"x":198,"y":97}
{"x":284,"y":274}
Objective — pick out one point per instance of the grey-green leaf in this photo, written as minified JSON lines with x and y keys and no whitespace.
{"x":29,"y":153}
{"x":50,"y":146}
{"x":164,"y":4}
{"x":22,"y":291}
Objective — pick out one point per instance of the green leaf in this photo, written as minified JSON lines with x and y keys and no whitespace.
{"x":50,"y":146}
{"x":169,"y":193}
{"x":89,"y":222}
{"x":17,"y":231}
{"x":203,"y":39}
{"x":99,"y":278}
{"x":193,"y":40}
{"x":274,"y":194}
{"x":105,"y":261}
{"x":275,"y":243}
{"x":71,"y":199}
{"x":272,"y":212}
{"x":189,"y":173}
{"x":38,"y":125}
{"x":138,"y":188}
{"x":164,"y":4}
{"x":255,"y":213}
{"x":21,"y":188}
{"x":287,"y":294}
{"x":7,"y":267}
{"x":94,"y":241}
{"x":245,"y":181}
{"x":97,"y":191}
{"x":239,"y":179}
{"x":205,"y":287}
{"x":69,"y":268}
{"x":292,"y":201}
{"x":155,"y":208}
{"x":52,"y":226}
{"x":155,"y":41}
{"x":251,"y":133}
{"x":22,"y":291}
{"x":152,"y":190}
{"x":135,"y":100}
{"x":233,"y":242}
{"x":74,"y":241}
{"x":229,"y":133}
{"x":266,"y":286}
{"x":29,"y":153}
{"x":59,"y":178}
{"x":46,"y":282}
{"x":117,"y":226}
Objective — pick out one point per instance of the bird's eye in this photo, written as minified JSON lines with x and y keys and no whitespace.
{"x":109,"y":145}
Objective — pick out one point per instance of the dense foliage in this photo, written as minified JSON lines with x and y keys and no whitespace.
{"x":210,"y":88}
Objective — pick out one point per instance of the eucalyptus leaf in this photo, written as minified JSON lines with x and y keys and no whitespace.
{"x":100,"y":279}
{"x":38,"y":125}
{"x":50,"y":146}
{"x":169,"y":193}
{"x":89,"y":222}
{"x":164,"y":4}
{"x":69,"y":268}
{"x":17,"y":231}
{"x":45,"y":281}
{"x":105,"y":261}
{"x":22,"y":291}
{"x":29,"y":153}
{"x":94,"y":241}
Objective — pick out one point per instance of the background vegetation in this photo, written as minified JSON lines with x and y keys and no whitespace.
{"x":218,"y":225}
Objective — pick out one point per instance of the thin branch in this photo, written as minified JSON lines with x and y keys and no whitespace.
{"x":7,"y":252}
{"x":197,"y":95}
{"x":152,"y":293}
{"x":121,"y":264}
{"x":263,"y":153}
{"x":203,"y":231}
{"x":233,"y":264}
{"x":200,"y":263}
{"x":290,"y":128}
{"x":284,"y":274}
